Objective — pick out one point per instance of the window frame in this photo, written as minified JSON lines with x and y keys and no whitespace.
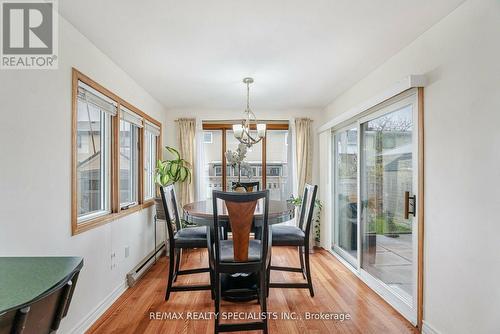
{"x":134,"y":166}
{"x":154,"y":148}
{"x":114,"y":211}
{"x":105,"y":169}
{"x":225,"y":126}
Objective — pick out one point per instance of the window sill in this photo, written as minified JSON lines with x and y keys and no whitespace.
{"x":128,"y":206}
{"x":130,"y":209}
{"x":101,"y":220}
{"x":149,"y":202}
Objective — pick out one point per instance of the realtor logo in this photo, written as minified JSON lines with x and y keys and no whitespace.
{"x":29,"y":34}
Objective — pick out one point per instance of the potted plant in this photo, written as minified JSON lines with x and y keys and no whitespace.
{"x":235,"y":159}
{"x":170,"y":172}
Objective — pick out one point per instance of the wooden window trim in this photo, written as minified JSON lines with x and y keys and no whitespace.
{"x":150,"y":201}
{"x":229,"y":126}
{"x":116,"y":211}
{"x":140,"y":173}
{"x":140,"y":166}
{"x":224,"y":127}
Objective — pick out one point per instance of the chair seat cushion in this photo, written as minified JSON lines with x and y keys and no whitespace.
{"x":191,"y":237}
{"x":287,"y":235}
{"x":227,"y":255}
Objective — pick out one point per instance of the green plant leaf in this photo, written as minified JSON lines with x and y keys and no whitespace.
{"x":174,"y":152}
{"x":183,"y":174}
{"x":174,"y":169}
{"x":159,"y":164}
{"x":165,"y":178}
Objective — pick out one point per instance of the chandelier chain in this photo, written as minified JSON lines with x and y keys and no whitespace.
{"x":242,"y":132}
{"x":248,"y":95}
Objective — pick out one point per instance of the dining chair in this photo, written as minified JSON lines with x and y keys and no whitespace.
{"x":291,"y":235}
{"x":249,"y":186}
{"x":181,"y":238}
{"x":241,"y":254}
{"x":43,"y":314}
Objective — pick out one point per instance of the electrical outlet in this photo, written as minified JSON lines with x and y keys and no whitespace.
{"x":127,"y":251}
{"x":113,"y":257}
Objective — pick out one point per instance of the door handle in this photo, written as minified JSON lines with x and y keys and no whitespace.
{"x":410,"y":205}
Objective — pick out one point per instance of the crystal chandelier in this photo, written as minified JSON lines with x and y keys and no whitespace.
{"x":242,"y":131}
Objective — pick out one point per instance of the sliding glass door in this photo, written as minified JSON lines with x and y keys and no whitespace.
{"x":375,"y":183}
{"x":387,"y":183}
{"x":346,"y":194}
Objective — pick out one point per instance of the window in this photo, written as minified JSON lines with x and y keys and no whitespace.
{"x":151,"y":134}
{"x":218,"y":170}
{"x":207,"y":137}
{"x":254,"y":158}
{"x":211,"y":172}
{"x":268,"y":159}
{"x":94,"y":112}
{"x":278,"y":168}
{"x":130,"y":123}
{"x":111,"y":153}
{"x":274,"y":171}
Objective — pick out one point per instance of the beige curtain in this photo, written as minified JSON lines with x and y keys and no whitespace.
{"x":186,"y":130}
{"x":304,"y":152}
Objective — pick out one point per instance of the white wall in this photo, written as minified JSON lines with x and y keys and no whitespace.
{"x":35,"y":169}
{"x":461,"y":58}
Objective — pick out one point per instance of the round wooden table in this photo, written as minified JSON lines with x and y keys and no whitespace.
{"x":201,"y":213}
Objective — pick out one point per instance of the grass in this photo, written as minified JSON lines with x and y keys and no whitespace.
{"x":386,"y":225}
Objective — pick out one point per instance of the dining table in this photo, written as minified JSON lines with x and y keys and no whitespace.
{"x":201,"y":213}
{"x":33,"y":293}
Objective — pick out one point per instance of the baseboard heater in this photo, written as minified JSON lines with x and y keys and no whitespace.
{"x":135,"y":274}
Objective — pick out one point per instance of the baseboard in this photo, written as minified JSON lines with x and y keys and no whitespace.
{"x":99,"y":310}
{"x":428,"y":329}
{"x":142,"y":268}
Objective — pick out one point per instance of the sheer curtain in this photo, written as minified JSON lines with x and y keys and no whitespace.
{"x":291,"y":186}
{"x":199,"y":167}
{"x":304,"y":153}
{"x":186,"y":133}
{"x":292,"y":168}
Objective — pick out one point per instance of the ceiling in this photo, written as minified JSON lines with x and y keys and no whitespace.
{"x":302,"y":54}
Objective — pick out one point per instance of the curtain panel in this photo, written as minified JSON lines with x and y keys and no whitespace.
{"x":200,"y":181}
{"x":186,"y":133}
{"x":304,"y":152}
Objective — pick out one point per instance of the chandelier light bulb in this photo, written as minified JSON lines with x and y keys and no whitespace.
{"x":238,"y":130}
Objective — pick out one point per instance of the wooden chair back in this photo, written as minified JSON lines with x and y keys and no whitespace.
{"x":307,"y":208}
{"x":42,"y":315}
{"x":241,"y":209}
{"x":169,"y":201}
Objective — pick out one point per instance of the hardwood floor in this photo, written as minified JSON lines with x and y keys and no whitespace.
{"x":336,"y":290}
